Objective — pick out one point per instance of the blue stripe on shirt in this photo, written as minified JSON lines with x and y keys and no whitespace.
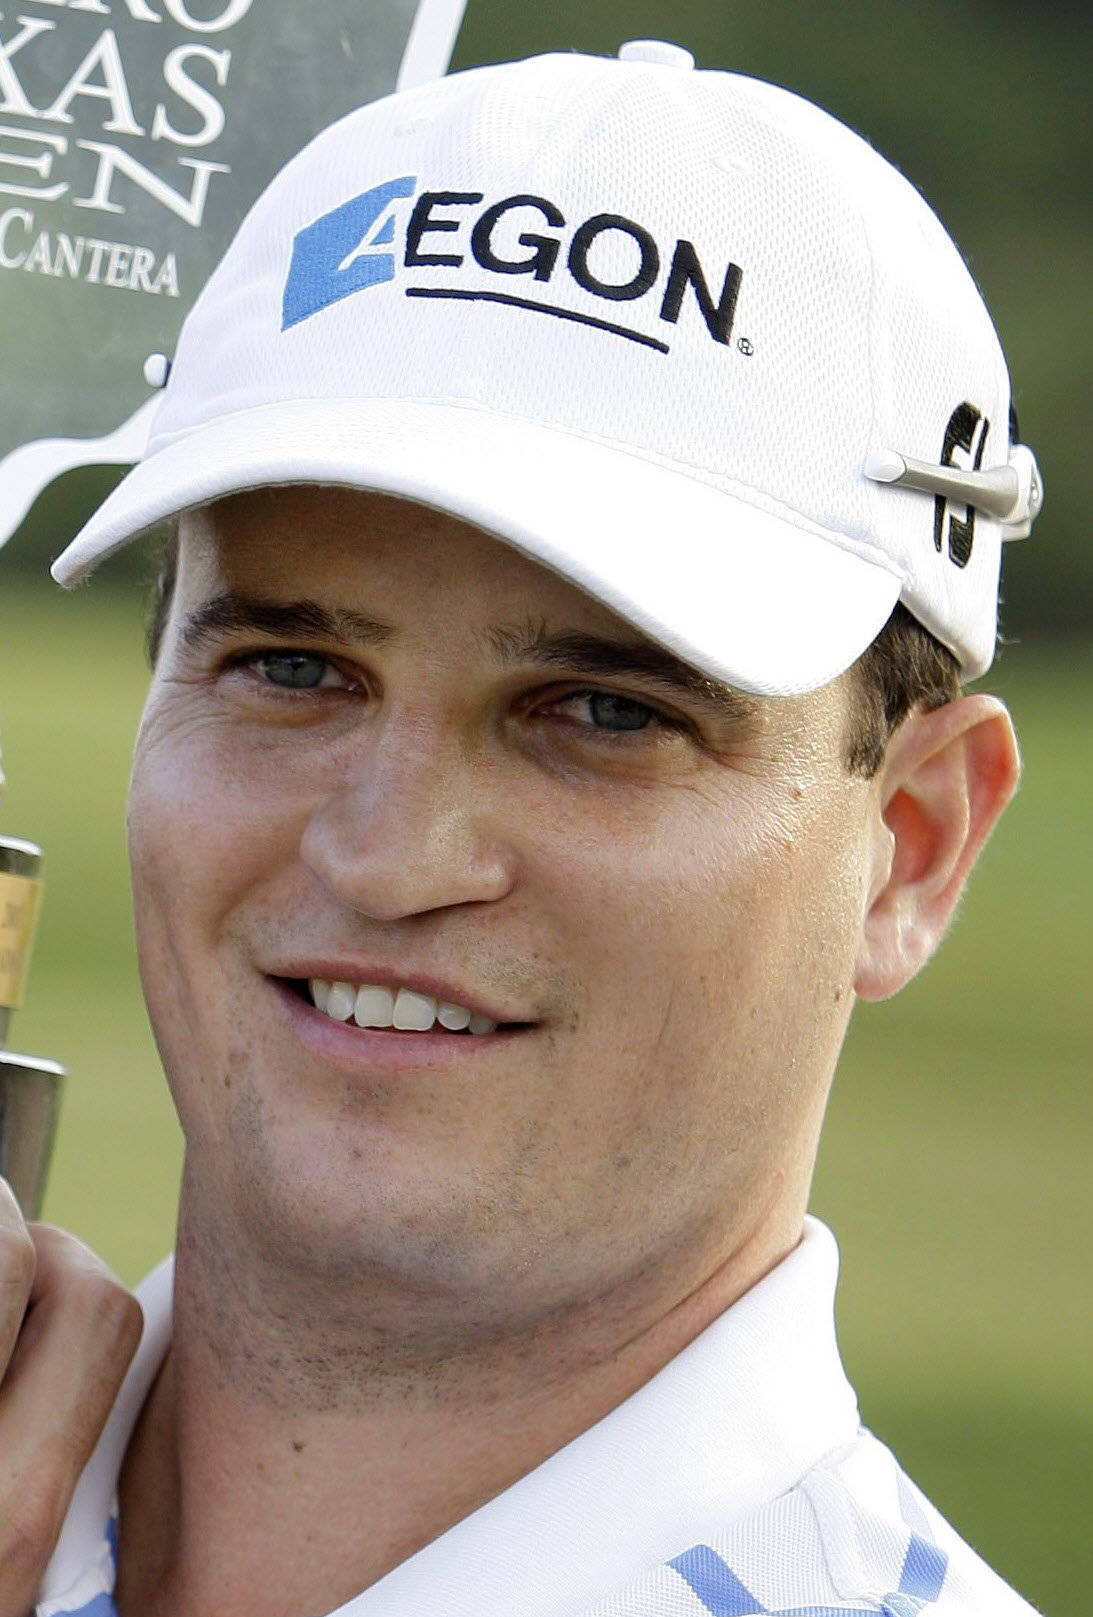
{"x":719,"y":1589}
{"x":716,"y":1584}
{"x":924,"y":1569}
{"x":99,"y":1606}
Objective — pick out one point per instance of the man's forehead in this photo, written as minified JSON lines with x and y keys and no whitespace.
{"x":307,"y":532}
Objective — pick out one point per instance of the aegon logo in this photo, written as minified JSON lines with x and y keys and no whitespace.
{"x":350,"y":249}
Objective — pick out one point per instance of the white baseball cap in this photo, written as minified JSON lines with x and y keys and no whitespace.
{"x":680,"y":336}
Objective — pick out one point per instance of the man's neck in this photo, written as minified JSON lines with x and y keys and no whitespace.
{"x":247,"y":1489}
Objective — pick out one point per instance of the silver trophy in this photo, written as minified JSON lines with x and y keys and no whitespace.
{"x":30,"y":1088}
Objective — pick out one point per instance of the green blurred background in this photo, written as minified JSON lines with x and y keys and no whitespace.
{"x":956,"y":1164}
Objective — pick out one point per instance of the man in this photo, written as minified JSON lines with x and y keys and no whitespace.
{"x":590,"y":479}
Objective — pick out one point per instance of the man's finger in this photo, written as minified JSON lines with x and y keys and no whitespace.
{"x":80,"y":1331}
{"x":18,"y":1262}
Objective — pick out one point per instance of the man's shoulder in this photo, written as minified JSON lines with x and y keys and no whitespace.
{"x":853,"y":1536}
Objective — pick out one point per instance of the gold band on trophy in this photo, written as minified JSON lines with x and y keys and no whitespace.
{"x":30,"y":1088}
{"x":20,"y":896}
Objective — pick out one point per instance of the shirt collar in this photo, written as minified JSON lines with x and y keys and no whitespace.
{"x":730,"y":1423}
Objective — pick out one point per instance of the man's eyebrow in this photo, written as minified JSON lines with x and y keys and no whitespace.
{"x":596,"y":656}
{"x":234,"y":613}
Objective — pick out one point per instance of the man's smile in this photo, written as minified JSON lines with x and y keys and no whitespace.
{"x":380,"y":1006}
{"x":374,"y":1014}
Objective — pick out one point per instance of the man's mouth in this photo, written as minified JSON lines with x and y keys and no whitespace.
{"x":375,"y":1005}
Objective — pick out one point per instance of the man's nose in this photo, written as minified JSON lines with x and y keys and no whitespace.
{"x":410,"y":828}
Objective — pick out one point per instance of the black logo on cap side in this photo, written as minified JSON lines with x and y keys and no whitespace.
{"x":967,"y":429}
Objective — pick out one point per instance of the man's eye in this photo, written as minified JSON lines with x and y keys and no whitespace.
{"x":606,"y":710}
{"x":298,"y":670}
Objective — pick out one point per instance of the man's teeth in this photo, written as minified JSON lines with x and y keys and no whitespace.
{"x":372,"y":1006}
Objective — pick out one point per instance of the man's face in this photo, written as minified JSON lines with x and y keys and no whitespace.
{"x":382,"y":748}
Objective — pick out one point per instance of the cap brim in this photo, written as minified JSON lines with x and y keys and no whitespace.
{"x":761,"y":601}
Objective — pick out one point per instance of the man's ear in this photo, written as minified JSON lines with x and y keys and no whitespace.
{"x":945,"y":779}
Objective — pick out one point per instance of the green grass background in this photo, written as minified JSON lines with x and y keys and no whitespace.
{"x":956,"y":1167}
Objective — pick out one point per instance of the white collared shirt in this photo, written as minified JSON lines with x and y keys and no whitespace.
{"x":738,"y":1480}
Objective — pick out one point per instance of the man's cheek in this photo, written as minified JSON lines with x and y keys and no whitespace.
{"x":193,"y":826}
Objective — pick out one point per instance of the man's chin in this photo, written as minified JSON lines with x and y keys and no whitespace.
{"x":357,"y":1223}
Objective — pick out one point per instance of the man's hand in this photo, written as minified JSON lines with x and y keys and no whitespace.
{"x":68,"y":1330}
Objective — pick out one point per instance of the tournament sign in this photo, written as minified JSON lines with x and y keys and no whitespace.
{"x":134,"y":135}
